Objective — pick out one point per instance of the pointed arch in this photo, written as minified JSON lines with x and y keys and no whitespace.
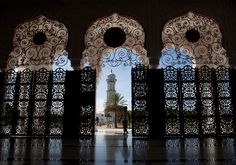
{"x":195,"y":36}
{"x":36,"y":43}
{"x":96,"y":48}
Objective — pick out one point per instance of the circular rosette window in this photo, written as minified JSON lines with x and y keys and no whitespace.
{"x":39,"y":38}
{"x":192,"y":35}
{"x":199,"y":34}
{"x":114,"y":37}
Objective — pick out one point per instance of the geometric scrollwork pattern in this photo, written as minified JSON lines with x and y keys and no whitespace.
{"x":86,"y":120}
{"x":38,"y":126}
{"x":29,"y":53}
{"x":97,"y":49}
{"x":57,"y":102}
{"x":59,"y":76}
{"x":172,"y":126}
{"x":140,"y":113}
{"x":58,"y":91}
{"x":205,"y":50}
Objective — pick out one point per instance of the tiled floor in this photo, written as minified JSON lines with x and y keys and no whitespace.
{"x":116,"y":149}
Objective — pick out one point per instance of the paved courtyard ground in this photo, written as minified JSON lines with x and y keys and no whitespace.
{"x":104,"y":130}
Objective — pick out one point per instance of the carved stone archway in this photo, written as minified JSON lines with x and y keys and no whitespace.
{"x":196,"y":36}
{"x":36,"y":43}
{"x":96,"y":49}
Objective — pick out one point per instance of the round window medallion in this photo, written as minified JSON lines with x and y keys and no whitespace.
{"x":192,"y":35}
{"x":39,"y":38}
{"x":114,"y":37}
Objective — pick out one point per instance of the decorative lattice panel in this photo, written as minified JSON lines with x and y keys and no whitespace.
{"x":7,"y":110}
{"x":189,"y":101}
{"x":208,"y":106}
{"x":225,"y":105}
{"x":33,"y":102}
{"x":198,"y":101}
{"x":41,"y":91}
{"x":140,"y":112}
{"x":87,"y":108}
{"x":24,"y":102}
{"x":172,"y":109}
{"x":57,"y":102}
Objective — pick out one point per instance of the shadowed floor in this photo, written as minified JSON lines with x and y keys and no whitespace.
{"x":116,"y":149}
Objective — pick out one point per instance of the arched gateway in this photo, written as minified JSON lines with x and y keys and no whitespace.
{"x":194,"y":100}
{"x":38,"y":101}
{"x":192,"y":38}
{"x":106,"y":35}
{"x":118,"y":40}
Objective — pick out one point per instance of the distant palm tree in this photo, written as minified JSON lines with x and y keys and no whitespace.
{"x":115,"y":104}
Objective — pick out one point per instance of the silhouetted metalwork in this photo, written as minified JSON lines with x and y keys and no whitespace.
{"x":225,"y":107}
{"x":33,"y":102}
{"x":57,"y":102}
{"x":172,"y":115}
{"x":61,"y":61}
{"x":189,"y":101}
{"x":24,"y":101}
{"x":140,"y":112}
{"x":41,"y":92}
{"x":87,"y":107}
{"x":198,"y":101}
{"x":96,"y":50}
{"x":7,"y":109}
{"x":119,"y":57}
{"x":195,"y":39}
{"x":172,"y":56}
{"x":208,"y":106}
{"x":37,"y":43}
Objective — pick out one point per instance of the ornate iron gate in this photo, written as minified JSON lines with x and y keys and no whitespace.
{"x":8,"y":102}
{"x":181,"y":112}
{"x":57,"y":102}
{"x":195,"y":102}
{"x":198,"y":102}
{"x":140,"y":96}
{"x":183,"y":102}
{"x":87,"y":107}
{"x":34,"y":103}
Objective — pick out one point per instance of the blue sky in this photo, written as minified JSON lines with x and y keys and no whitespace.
{"x":123,"y":74}
{"x":123,"y":85}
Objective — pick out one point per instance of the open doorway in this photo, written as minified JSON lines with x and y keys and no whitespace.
{"x":112,"y":43}
{"x":113,"y":94}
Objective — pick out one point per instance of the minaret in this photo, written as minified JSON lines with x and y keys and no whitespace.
{"x":111,"y":81}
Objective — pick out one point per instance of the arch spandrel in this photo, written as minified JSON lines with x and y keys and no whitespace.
{"x":27,"y":53}
{"x":207,"y":50}
{"x":96,"y":48}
